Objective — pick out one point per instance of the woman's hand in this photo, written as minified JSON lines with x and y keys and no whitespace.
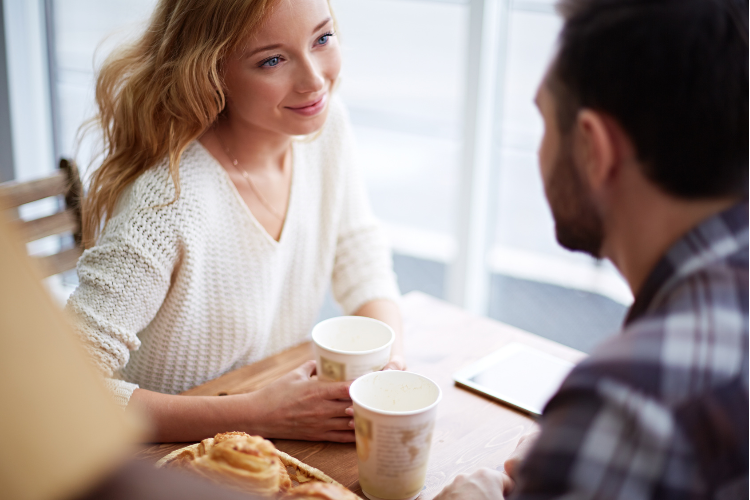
{"x":299,"y":406}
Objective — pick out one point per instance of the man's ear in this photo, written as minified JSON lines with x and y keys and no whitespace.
{"x":595,"y":148}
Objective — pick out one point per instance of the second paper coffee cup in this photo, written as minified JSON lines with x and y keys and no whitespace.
{"x":394,"y":415}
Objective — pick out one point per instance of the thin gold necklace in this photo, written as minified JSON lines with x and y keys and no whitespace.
{"x":250,"y":182}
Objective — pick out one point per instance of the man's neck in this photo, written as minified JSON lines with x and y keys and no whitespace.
{"x":641,"y":228}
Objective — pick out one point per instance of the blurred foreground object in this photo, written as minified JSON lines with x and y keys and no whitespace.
{"x":62,"y":433}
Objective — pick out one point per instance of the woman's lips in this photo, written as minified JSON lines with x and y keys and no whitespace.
{"x":312,"y":108}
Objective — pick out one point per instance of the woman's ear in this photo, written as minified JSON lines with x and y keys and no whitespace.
{"x":595,"y":149}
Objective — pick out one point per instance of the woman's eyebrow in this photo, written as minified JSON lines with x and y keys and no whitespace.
{"x":326,"y":21}
{"x":263,"y":49}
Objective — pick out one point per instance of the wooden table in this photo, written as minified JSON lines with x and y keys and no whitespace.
{"x":471,"y":431}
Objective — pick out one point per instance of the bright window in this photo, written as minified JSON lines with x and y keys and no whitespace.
{"x":410,"y":71}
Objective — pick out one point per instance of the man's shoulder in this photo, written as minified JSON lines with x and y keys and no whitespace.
{"x":721,"y":285}
{"x":692,"y":340}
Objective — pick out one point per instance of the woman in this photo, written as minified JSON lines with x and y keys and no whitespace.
{"x":221,"y":232}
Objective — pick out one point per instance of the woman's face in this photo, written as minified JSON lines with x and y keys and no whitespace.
{"x":280,"y":79}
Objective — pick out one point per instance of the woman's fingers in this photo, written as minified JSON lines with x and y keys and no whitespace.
{"x":299,"y":406}
{"x":335,"y":390}
{"x":334,"y":409}
{"x":339,"y":424}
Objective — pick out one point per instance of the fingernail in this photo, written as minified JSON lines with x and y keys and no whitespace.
{"x":351,"y":424}
{"x":349,"y":411}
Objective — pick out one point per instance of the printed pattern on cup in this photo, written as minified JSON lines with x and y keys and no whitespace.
{"x":363,"y":435}
{"x":332,"y":370}
{"x":398,"y":454}
{"x":335,"y":371}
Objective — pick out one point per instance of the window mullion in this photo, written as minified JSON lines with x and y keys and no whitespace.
{"x":468,"y":280}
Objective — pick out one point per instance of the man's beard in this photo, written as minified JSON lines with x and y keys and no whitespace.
{"x":578,"y":225}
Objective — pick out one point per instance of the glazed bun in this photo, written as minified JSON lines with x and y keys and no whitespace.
{"x":244,"y":462}
{"x":252,"y":464}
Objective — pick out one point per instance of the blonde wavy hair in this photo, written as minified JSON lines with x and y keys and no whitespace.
{"x":160,"y":93}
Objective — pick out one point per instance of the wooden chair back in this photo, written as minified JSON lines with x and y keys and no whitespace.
{"x":66,"y":182}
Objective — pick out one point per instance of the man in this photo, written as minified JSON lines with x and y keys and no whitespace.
{"x":645,"y":162}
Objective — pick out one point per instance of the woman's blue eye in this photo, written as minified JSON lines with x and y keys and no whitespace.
{"x":323,"y":39}
{"x":272,"y":62}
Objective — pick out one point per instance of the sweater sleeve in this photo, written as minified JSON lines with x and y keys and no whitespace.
{"x":123,"y":281}
{"x":363,"y":266}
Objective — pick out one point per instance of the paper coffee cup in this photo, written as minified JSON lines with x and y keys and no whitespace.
{"x":394,"y":415}
{"x":348,"y":347}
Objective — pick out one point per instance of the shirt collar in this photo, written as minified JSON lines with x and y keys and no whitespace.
{"x":712,"y":240}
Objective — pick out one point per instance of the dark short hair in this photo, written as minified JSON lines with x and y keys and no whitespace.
{"x":674,"y":74}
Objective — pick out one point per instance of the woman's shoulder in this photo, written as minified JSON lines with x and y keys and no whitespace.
{"x":154,"y":190}
{"x":149,"y":213}
{"x":144,"y":206}
{"x":152,"y":187}
{"x":156,"y":185}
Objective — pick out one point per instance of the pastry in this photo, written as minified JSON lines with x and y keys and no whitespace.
{"x":254,"y":465}
{"x":244,"y":462}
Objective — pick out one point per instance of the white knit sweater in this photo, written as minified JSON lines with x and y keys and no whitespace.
{"x":173,"y":296}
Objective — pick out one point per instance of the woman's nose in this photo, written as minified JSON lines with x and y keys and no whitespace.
{"x":310,"y":78}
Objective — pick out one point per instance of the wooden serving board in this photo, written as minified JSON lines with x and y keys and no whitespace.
{"x":299,"y":472}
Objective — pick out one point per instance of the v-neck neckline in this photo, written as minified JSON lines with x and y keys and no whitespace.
{"x":238,"y":197}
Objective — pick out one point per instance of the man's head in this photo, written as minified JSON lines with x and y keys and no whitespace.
{"x":666,"y":83}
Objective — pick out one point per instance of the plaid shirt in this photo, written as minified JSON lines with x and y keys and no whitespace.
{"x":660,"y":411}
